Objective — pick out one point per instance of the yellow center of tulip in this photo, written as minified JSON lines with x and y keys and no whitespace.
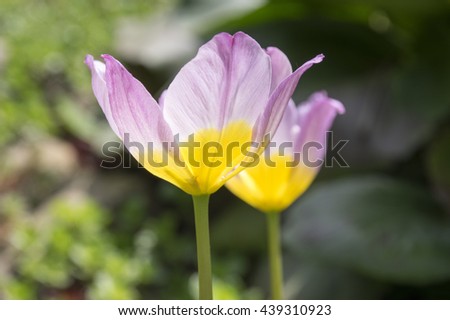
{"x":204,"y":162}
{"x":272,"y":187}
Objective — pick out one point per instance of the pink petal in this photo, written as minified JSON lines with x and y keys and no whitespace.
{"x":315,"y":118}
{"x":288,"y":128}
{"x":137,"y":119}
{"x":100,"y":91}
{"x":281,"y":67}
{"x":269,"y":120}
{"x":161,"y":99}
{"x":133,"y":109}
{"x":228,"y":80}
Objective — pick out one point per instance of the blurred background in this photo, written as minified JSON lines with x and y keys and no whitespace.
{"x":379,"y":229}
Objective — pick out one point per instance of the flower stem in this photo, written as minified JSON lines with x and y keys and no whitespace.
{"x":274,"y":245}
{"x":203,"y":246}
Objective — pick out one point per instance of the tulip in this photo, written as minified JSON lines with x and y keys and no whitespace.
{"x":231,"y":93}
{"x":287,"y":169}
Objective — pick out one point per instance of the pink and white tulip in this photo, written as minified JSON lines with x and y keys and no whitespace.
{"x":231,"y":91}
{"x":287,"y":170}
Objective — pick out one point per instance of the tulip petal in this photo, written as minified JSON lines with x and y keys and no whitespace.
{"x":133,"y":109}
{"x":287,"y":130}
{"x":161,"y":99}
{"x":315,"y":118}
{"x":281,"y":67}
{"x":270,"y":188}
{"x":271,"y":117}
{"x":228,"y":80}
{"x":137,"y":119}
{"x":100,"y":90}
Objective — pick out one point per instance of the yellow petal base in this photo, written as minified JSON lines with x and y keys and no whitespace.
{"x":212,"y":157}
{"x":272,"y":188}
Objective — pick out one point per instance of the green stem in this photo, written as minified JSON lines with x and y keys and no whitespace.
{"x":274,"y":244}
{"x":203,"y":247}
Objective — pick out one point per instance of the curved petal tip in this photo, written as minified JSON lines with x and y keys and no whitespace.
{"x":89,"y":60}
{"x":107,"y":57}
{"x":317,"y":59}
{"x":338,"y":106}
{"x":323,"y":96}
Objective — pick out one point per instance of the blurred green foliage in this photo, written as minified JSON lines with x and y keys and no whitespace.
{"x":405,"y":231}
{"x":68,"y":243}
{"x":379,"y":229}
{"x":44,"y":44}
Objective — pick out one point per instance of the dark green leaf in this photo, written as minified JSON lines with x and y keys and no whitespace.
{"x":378,"y":226}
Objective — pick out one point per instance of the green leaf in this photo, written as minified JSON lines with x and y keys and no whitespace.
{"x":315,"y":281}
{"x":437,"y":160}
{"x":377,"y":226}
{"x":438,"y":169}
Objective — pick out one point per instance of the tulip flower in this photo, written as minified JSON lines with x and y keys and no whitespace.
{"x":230,"y":94}
{"x":287,"y":169}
